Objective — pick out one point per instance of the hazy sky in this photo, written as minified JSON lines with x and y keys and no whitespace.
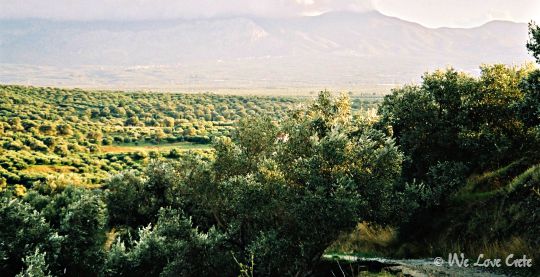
{"x":460,"y":13}
{"x":431,"y":13}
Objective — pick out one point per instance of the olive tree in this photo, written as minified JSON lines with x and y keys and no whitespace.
{"x":280,"y":191}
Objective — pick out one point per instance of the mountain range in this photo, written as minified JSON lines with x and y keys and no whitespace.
{"x":337,"y":50}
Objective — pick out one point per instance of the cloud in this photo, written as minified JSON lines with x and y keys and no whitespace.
{"x":460,"y":13}
{"x":432,"y":13}
{"x":168,"y":9}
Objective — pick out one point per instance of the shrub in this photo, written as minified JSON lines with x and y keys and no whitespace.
{"x":83,"y":223}
{"x":174,"y":247}
{"x":36,"y":266}
{"x":174,"y":153}
{"x":32,"y":233}
{"x":123,"y":198}
{"x":444,"y":179}
{"x":61,"y":149}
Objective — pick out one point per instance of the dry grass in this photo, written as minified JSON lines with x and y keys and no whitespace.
{"x":514,"y":245}
{"x":366,"y":239}
{"x":111,"y":236}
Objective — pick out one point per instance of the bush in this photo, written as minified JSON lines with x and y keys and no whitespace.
{"x":79,"y":215}
{"x":453,"y":116}
{"x":444,"y":179}
{"x":174,"y":153}
{"x":124,"y":196}
{"x":36,"y":266}
{"x":83,"y":224}
{"x":172,"y":248}
{"x":61,"y":149}
{"x":14,"y":145}
{"x":107,"y":141}
{"x":32,"y":233}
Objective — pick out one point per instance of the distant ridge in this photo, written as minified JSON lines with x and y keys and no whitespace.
{"x":336,"y":49}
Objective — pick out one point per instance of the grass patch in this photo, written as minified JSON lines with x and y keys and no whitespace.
{"x":470,"y":194}
{"x":530,"y":175}
{"x":467,"y":197}
{"x":496,"y":179}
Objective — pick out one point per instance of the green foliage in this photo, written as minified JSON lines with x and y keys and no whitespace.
{"x":497,"y":223}
{"x":68,"y":227}
{"x":35,"y":266}
{"x":172,"y":248}
{"x":83,"y":224}
{"x":64,"y":130}
{"x":322,"y":160}
{"x":23,"y":230}
{"x":453,"y":116}
{"x":534,"y":41}
{"x":530,"y":106}
{"x":443,"y":179}
{"x":124,"y":199}
{"x":134,"y":201}
{"x":453,"y":126}
{"x":259,"y":195}
{"x":246,"y":270}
